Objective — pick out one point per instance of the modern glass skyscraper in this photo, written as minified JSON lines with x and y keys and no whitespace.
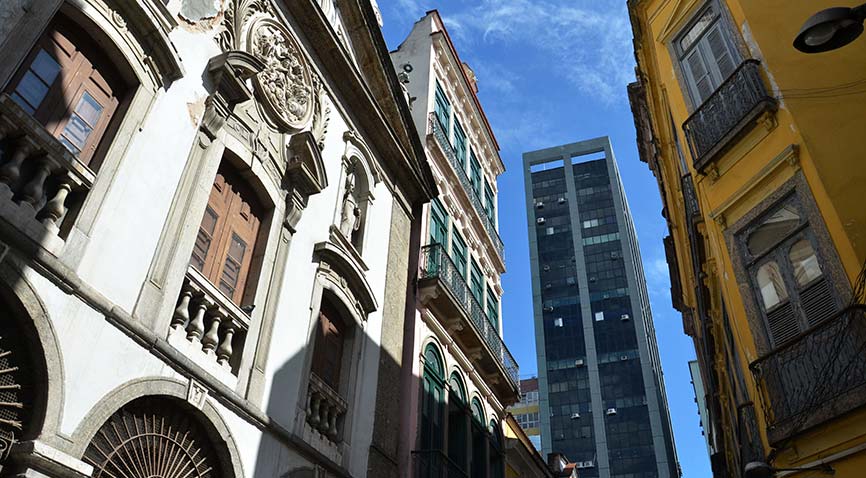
{"x":602,"y":398}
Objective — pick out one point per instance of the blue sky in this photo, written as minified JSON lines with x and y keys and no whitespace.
{"x":553,"y":72}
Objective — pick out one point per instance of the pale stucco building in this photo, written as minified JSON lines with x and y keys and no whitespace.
{"x":209,"y":225}
{"x":462,"y":376}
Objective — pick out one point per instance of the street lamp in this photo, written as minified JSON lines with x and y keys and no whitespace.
{"x":831,"y":29}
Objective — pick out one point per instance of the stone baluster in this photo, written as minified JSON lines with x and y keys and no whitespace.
{"x":212,"y":338}
{"x":10,"y":171}
{"x":315,"y":401}
{"x":33,"y":191}
{"x":181,"y":313}
{"x":324,"y":416}
{"x":332,"y":423}
{"x":224,"y":352}
{"x":195,"y":329}
{"x":55,"y":208}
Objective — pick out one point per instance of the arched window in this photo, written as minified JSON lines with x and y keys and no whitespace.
{"x":432,"y":400}
{"x":458,"y":422}
{"x":479,"y":440}
{"x":497,"y":464}
{"x":789,"y":283}
{"x":225,"y":245}
{"x":70,"y":85}
{"x":329,"y":344}
{"x":153,"y":436}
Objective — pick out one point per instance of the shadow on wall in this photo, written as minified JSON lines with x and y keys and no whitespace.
{"x":340,"y":392}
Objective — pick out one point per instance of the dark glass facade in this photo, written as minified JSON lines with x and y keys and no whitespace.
{"x":596,"y":342}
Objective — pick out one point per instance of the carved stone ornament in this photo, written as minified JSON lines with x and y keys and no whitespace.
{"x":285,"y":86}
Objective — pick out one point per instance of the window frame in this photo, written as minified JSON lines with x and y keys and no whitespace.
{"x":795,"y":187}
{"x":492,"y":308}
{"x":242,"y":200}
{"x":442,"y":108}
{"x":476,"y":281}
{"x":489,"y":202}
{"x":461,"y":143}
{"x":720,"y":20}
{"x":62,"y":97}
{"x":475,"y":175}
{"x":439,"y":221}
{"x":460,"y":253}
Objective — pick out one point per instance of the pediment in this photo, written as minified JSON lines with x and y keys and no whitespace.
{"x":305,"y":170}
{"x":682,"y":11}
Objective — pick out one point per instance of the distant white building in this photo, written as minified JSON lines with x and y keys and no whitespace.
{"x":208,"y":218}
{"x":467,"y":375}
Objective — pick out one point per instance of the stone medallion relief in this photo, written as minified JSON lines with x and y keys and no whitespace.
{"x":285,"y":85}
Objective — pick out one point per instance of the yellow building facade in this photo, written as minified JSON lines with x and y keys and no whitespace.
{"x":759,"y":153}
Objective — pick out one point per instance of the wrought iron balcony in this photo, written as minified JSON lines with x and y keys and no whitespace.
{"x":441,"y":136}
{"x":435,"y":464}
{"x":819,"y":375}
{"x":456,"y":304}
{"x":730,"y":112}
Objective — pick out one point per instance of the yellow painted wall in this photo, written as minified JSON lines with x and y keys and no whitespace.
{"x":829,"y":127}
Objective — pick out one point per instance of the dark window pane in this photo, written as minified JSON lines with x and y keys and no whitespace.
{"x":23,"y":103}
{"x":45,"y":67}
{"x":32,"y":89}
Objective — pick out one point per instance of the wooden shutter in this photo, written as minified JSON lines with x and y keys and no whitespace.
{"x":328,"y":348}
{"x":224,"y":247}
{"x":70,"y":86}
{"x":698,"y":76}
{"x":723,"y":59}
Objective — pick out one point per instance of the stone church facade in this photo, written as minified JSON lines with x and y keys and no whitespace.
{"x":209,"y":232}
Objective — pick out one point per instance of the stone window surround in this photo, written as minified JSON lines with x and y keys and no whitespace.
{"x":168,"y":268}
{"x":339,"y":277}
{"x":100,"y":21}
{"x":832,"y":267}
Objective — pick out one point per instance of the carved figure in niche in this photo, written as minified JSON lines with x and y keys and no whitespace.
{"x":285,"y":82}
{"x":350,"y":217}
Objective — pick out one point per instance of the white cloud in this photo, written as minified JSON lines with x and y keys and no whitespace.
{"x":657,"y":277}
{"x":586,"y":42}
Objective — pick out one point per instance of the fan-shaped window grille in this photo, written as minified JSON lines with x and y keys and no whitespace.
{"x":16,"y":386}
{"x":152,"y":438}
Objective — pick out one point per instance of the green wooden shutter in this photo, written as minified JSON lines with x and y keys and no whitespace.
{"x":438,"y":223}
{"x":460,"y":144}
{"x":458,"y":252}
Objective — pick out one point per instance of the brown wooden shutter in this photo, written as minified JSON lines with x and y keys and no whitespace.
{"x":328,"y":348}
{"x":223,"y":250}
{"x":76,"y":104}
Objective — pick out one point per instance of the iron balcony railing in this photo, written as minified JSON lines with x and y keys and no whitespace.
{"x":818,"y":375}
{"x":729,"y":112}
{"x":441,"y":136}
{"x":437,"y":264}
{"x":435,"y":464}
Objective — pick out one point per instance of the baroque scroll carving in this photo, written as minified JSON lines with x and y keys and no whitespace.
{"x":285,"y":87}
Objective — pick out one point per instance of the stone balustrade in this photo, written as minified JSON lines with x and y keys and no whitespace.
{"x":39,"y":177}
{"x":214,"y":328}
{"x":325,"y":409}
